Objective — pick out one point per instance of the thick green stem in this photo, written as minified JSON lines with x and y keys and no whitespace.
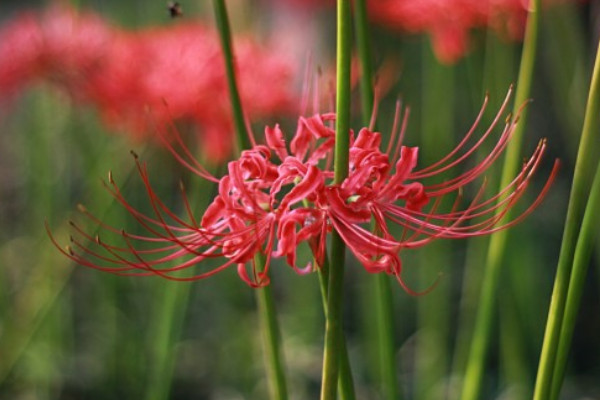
{"x":382,"y":291}
{"x":583,"y":168}
{"x":333,"y":329}
{"x":264,"y":296}
{"x":384,"y":312}
{"x":483,"y":323}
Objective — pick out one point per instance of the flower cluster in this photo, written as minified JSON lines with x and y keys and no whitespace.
{"x":175,"y":72}
{"x":275,"y":197}
{"x":448,"y":22}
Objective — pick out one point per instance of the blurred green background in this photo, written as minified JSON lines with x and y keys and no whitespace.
{"x":68,"y":332}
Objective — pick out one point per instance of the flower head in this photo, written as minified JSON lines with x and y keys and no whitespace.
{"x":276,"y":196}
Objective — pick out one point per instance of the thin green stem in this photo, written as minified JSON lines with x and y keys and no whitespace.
{"x":172,"y":301}
{"x":171,"y":306}
{"x":345,"y":380}
{"x":483,"y":323}
{"x":333,"y":329}
{"x":264,"y":296}
{"x":497,"y":75}
{"x":363,"y":46}
{"x":382,"y":291}
{"x":583,"y":167}
{"x":271,"y":338}
{"x":234,"y":94}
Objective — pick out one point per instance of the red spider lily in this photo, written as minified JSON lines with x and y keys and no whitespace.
{"x":145,"y":78}
{"x":448,"y":22}
{"x":274,"y":198}
{"x":59,"y":45}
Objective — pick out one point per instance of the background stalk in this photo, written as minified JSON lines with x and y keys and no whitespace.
{"x":583,"y":251}
{"x":485,"y":313}
{"x":433,"y":309}
{"x":333,"y":328}
{"x":583,"y":167}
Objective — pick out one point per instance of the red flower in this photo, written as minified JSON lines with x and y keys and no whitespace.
{"x":59,"y":45}
{"x":274,"y":198}
{"x":174,"y":72}
{"x":448,"y":22}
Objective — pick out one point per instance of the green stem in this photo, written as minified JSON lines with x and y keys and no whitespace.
{"x":483,"y":323}
{"x":234,"y":94}
{"x":271,"y":338}
{"x":384,"y":311}
{"x":345,"y":381}
{"x":382,"y":291}
{"x":264,"y":296}
{"x":333,"y":329}
{"x":171,"y":306}
{"x":363,"y":45}
{"x":498,"y":73}
{"x":583,"y":250}
{"x":585,"y":157}
{"x":431,"y":346}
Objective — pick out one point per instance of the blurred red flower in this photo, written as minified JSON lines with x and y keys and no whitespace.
{"x":449,"y":22}
{"x":275,"y":197}
{"x":145,"y":79}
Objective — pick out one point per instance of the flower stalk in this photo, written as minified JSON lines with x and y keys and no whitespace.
{"x":382,"y":291}
{"x":333,"y":329}
{"x":583,"y":250}
{"x":234,"y":94}
{"x":567,"y":288}
{"x":345,"y":380}
{"x":484,"y":319}
{"x":264,"y":296}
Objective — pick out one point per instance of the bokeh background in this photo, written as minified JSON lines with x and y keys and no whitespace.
{"x":69,"y":332}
